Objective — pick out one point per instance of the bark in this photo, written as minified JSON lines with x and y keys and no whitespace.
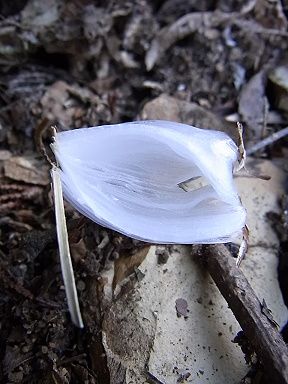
{"x":260,"y":331}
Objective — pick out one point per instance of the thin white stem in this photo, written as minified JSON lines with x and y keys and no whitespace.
{"x":65,"y":258}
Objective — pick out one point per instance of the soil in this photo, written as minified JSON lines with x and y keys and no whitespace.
{"x":86,"y":63}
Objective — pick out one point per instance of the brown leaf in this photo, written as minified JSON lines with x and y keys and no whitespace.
{"x":271,"y":14}
{"x":67,"y":104}
{"x":252,"y":103}
{"x":279,"y":86}
{"x":26,"y":169}
{"x":5,"y":154}
{"x":186,"y":25}
{"x":165,"y":107}
{"x":55,"y":104}
{"x":126,"y":265}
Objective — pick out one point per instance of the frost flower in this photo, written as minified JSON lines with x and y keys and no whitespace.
{"x":156,"y":181}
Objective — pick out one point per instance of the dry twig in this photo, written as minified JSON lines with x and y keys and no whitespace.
{"x":267,"y":141}
{"x":263,"y":336}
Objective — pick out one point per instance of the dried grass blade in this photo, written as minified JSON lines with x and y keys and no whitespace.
{"x":65,"y":258}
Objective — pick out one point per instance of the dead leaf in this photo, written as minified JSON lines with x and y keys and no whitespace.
{"x":252,"y":102}
{"x":184,"y":26}
{"x":13,"y":196}
{"x":73,"y":105}
{"x":128,"y":335}
{"x":279,"y":86}
{"x":55,"y":104}
{"x":165,"y":107}
{"x":271,"y":14}
{"x":125,"y":265}
{"x":78,"y":250}
{"x":5,"y":154}
{"x":26,"y":169}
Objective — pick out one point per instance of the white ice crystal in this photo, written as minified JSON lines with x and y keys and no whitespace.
{"x":156,"y":181}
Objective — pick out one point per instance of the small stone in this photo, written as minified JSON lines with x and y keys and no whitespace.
{"x":44,"y":349}
{"x":81,"y":285}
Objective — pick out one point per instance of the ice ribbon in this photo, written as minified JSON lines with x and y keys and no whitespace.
{"x":130,"y":177}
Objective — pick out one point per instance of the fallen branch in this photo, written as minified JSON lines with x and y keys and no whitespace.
{"x":267,"y":141}
{"x":261,"y":333}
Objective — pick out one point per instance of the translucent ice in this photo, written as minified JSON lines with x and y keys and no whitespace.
{"x":156,"y":181}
